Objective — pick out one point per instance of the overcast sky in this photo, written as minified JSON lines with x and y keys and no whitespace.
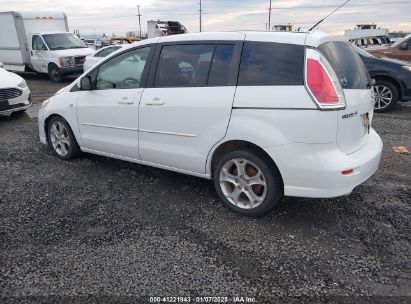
{"x":119,"y":16}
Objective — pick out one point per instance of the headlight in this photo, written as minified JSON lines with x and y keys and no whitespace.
{"x":45,"y":103}
{"x":407,"y":67}
{"x":22,"y":84}
{"x":67,"y":61}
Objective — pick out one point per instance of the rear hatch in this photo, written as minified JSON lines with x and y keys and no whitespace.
{"x":354,"y":121}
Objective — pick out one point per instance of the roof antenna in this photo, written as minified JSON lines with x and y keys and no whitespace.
{"x":315,"y":25}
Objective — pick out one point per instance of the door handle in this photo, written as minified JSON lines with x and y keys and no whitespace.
{"x":123,"y":102}
{"x":155,"y":102}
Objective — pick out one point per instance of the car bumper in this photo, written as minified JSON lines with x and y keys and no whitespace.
{"x":42,"y":128}
{"x":72,"y":70}
{"x":21,"y":103}
{"x":315,"y":170}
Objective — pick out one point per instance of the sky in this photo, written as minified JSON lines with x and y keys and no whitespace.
{"x":120,"y":16}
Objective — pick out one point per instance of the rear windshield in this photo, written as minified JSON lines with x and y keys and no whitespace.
{"x":347,"y":64}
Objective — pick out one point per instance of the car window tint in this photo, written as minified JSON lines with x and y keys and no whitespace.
{"x":183,"y":65}
{"x":346,"y":63}
{"x":268,"y":63}
{"x":124,"y":71}
{"x":222,"y":67}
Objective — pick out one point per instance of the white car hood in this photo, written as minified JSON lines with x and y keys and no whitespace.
{"x":74,"y":52}
{"x":8,"y":79}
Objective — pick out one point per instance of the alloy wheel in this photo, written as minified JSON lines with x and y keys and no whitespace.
{"x":243,"y":183}
{"x":382,"y":96}
{"x":60,"y":139}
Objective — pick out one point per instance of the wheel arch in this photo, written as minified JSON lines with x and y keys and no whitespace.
{"x":391,"y":79}
{"x":233,"y":145}
{"x":49,"y":118}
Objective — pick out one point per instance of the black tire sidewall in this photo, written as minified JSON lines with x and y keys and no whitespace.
{"x":56,"y":68}
{"x":271,"y":174}
{"x":74,"y":147}
{"x":394,"y":92}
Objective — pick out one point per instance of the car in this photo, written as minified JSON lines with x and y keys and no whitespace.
{"x":14,"y":93}
{"x":262,"y":114}
{"x":99,"y":55}
{"x":392,"y":80}
{"x":399,"y":50}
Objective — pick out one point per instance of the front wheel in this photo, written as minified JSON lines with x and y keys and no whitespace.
{"x":385,"y":96}
{"x":247,"y":183}
{"x":55,"y":73}
{"x":61,"y":139}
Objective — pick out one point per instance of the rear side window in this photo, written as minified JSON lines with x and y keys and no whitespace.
{"x":268,"y":63}
{"x":347,"y":64}
{"x":195,"y":66}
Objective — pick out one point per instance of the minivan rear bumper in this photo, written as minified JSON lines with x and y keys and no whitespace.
{"x":315,"y":170}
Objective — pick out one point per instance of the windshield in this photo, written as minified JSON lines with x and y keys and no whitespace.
{"x":361,"y":51}
{"x":63,"y":41}
{"x":401,"y":41}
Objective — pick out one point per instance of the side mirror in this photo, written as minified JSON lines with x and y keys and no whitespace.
{"x":85,"y":83}
{"x":403,"y":46}
{"x":1,"y":65}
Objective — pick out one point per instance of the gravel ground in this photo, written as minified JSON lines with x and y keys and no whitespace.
{"x":104,"y":230}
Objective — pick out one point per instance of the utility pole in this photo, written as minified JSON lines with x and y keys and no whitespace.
{"x":139,"y":20}
{"x":200,"y":14}
{"x":269,"y":18}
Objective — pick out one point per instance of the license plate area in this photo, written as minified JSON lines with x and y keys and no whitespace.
{"x":365,"y":120}
{"x":4,"y":105}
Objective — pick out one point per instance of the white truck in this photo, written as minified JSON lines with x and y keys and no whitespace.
{"x":40,"y":42}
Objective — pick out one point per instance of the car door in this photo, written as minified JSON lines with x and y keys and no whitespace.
{"x":403,"y":51}
{"x":108,"y":113}
{"x":186,"y":107}
{"x":38,"y":54}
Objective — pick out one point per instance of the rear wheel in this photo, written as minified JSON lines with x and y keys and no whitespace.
{"x":54,"y":73}
{"x":61,"y":139}
{"x":247,"y":183}
{"x":385,"y":95}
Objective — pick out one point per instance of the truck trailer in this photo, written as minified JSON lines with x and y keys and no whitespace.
{"x":40,"y":42}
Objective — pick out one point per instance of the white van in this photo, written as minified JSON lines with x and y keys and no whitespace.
{"x":263,"y":114}
{"x":40,"y":42}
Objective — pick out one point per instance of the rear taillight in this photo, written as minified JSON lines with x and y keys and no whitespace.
{"x":322,"y":82}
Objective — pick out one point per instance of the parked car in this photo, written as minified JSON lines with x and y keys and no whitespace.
{"x":400,"y":50}
{"x":100,"y":55}
{"x":287,"y":125}
{"x":14,"y":93}
{"x":392,"y":80}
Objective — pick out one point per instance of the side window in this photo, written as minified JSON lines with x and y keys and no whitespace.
{"x":269,"y":63}
{"x":222,"y":67}
{"x":183,"y":65}
{"x":38,"y":43}
{"x":124,"y":71}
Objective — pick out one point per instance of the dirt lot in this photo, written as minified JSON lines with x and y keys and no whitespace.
{"x":108,"y":230}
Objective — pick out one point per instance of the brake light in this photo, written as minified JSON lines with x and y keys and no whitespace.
{"x":322,"y":82}
{"x":319,"y":83}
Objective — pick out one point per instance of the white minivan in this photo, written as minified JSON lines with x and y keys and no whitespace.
{"x":263,"y":114}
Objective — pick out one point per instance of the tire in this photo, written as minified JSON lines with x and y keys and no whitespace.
{"x":54,"y":73}
{"x":61,"y":139}
{"x":386,"y":96}
{"x":261,"y":181}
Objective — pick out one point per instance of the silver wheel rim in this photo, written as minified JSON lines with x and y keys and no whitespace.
{"x":382,"y":97}
{"x":243,"y":183}
{"x":59,"y":138}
